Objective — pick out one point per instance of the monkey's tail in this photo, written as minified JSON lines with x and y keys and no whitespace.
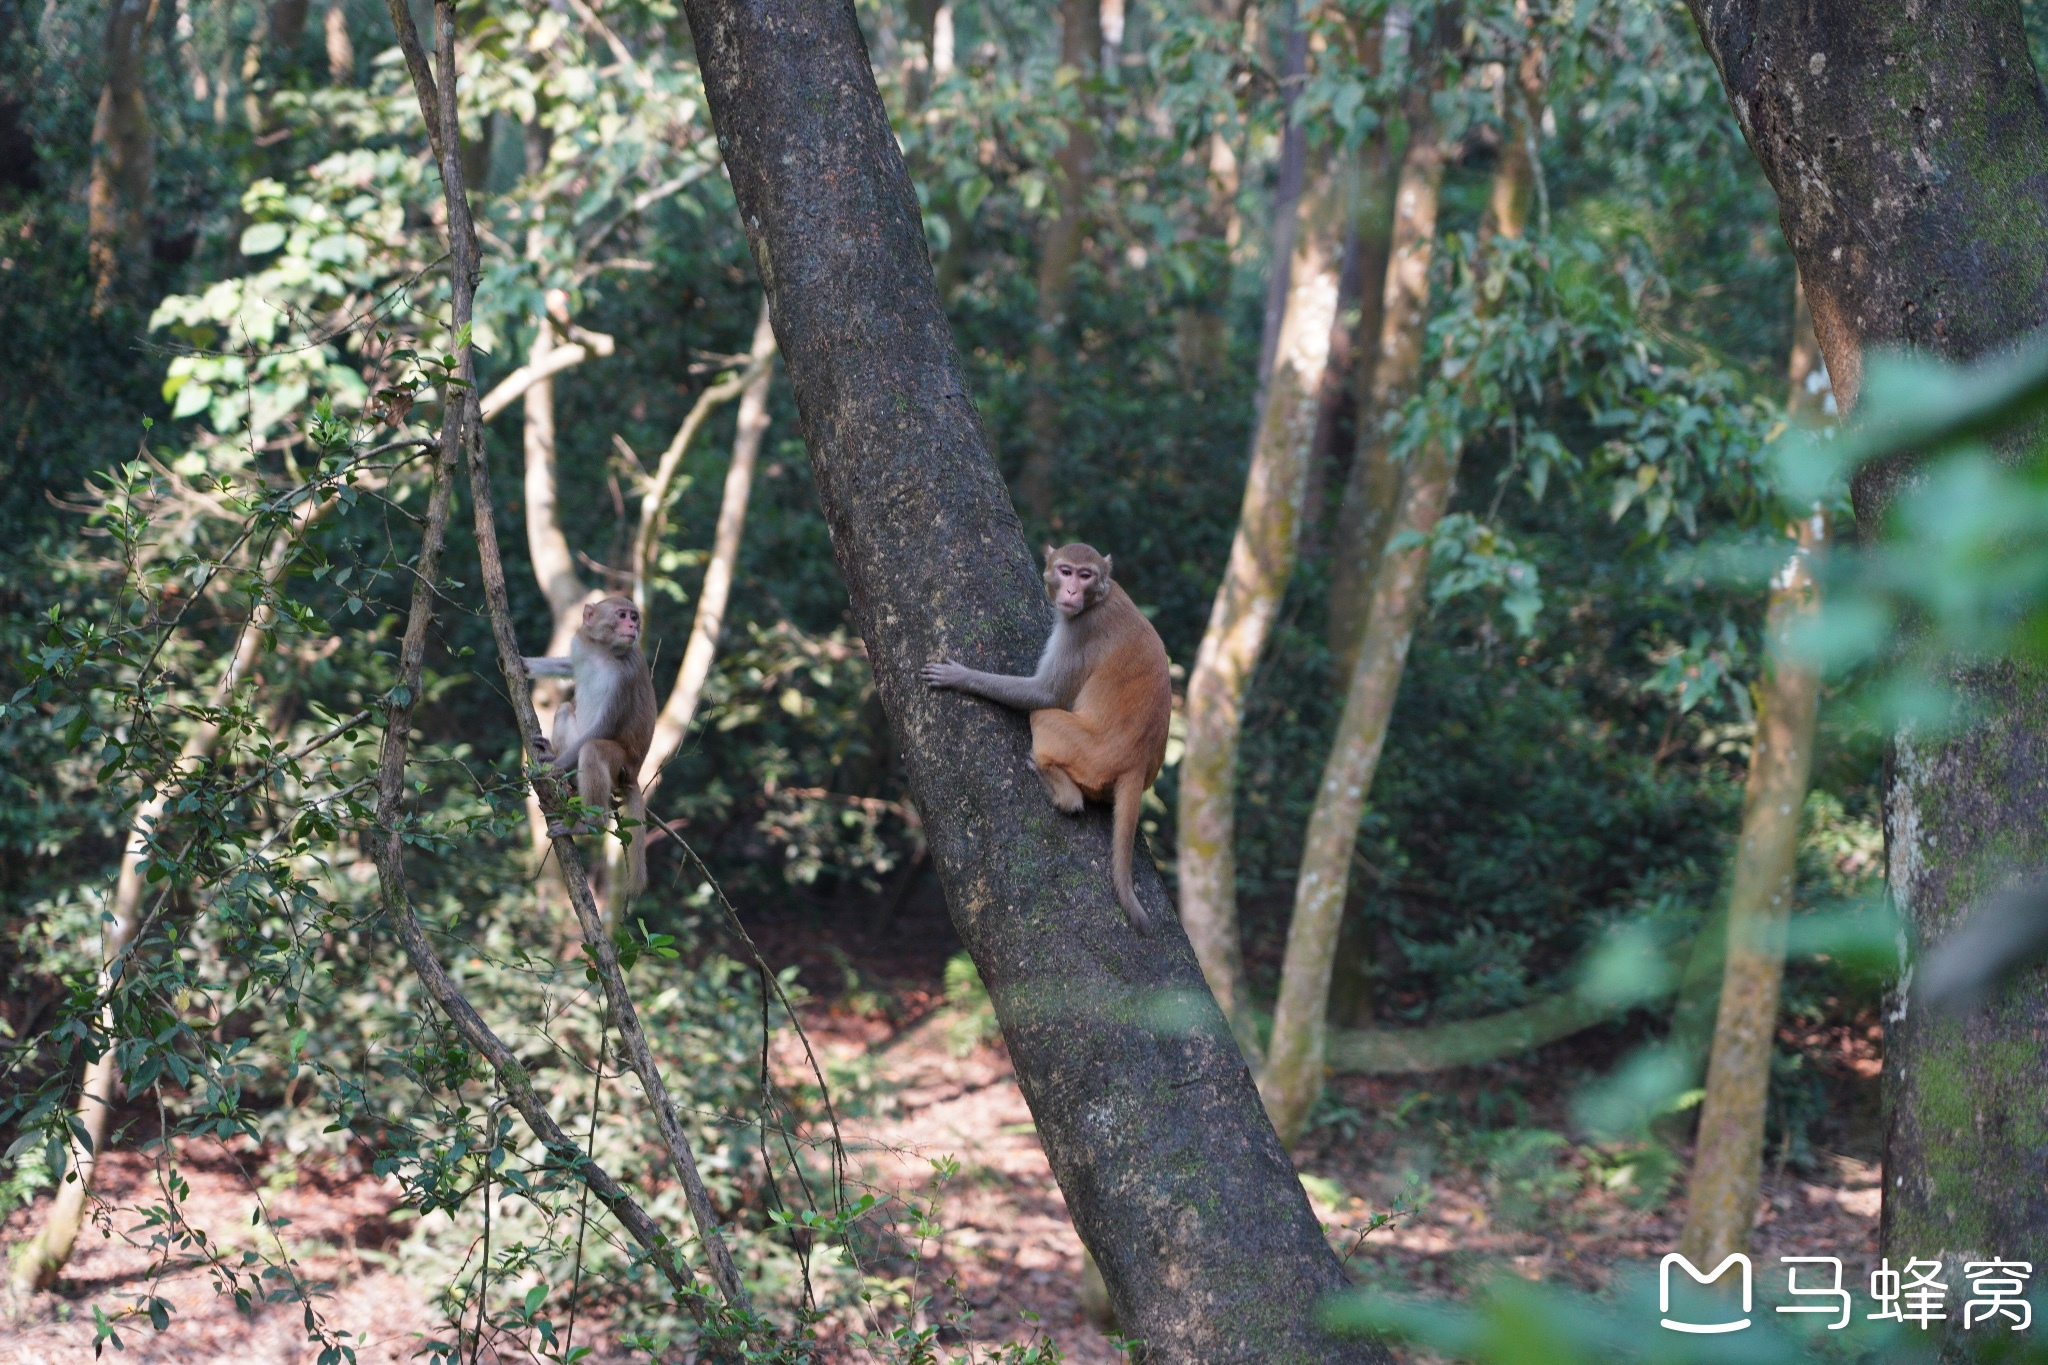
{"x":1130,"y":797}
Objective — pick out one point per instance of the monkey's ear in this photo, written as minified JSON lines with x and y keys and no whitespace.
{"x":1109,"y":566}
{"x":1050,"y":551}
{"x":589,"y":610}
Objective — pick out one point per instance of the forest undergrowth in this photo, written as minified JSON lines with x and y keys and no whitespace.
{"x":1473,"y":1166}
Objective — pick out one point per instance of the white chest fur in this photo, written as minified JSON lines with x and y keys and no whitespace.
{"x":599,"y":678}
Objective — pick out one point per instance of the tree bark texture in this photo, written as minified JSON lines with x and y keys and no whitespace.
{"x":1728,"y":1153}
{"x":1372,"y":487}
{"x":674,"y":721}
{"x":123,"y":158}
{"x":1144,"y":1105}
{"x":1080,"y":43}
{"x":1909,"y":149}
{"x":1262,"y":555}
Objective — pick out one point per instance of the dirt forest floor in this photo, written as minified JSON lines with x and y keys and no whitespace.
{"x":1468,"y":1159}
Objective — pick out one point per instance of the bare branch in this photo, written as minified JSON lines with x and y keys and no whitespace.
{"x":513,"y":386}
{"x":460,"y":428}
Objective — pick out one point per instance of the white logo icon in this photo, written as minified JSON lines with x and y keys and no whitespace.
{"x":1664,"y":1292}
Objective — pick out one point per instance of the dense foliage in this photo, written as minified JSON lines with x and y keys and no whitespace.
{"x":1571,"y":739}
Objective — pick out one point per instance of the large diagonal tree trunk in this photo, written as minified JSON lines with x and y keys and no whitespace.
{"x":1147,"y":1113}
{"x":1909,"y":149}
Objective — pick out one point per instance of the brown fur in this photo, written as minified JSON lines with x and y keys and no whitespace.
{"x":1099,"y":702}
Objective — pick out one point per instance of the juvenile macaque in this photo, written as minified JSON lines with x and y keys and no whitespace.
{"x":1099,"y":702}
{"x":603,"y":734}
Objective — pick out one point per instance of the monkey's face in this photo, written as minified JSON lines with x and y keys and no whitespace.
{"x":1076,"y":577}
{"x":613,"y":624}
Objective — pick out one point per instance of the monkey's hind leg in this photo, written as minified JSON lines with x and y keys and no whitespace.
{"x":634,"y":807}
{"x":595,"y":765}
{"x":1059,"y":740}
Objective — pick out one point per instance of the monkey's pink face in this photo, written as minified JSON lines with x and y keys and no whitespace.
{"x":617,"y":621}
{"x":1073,"y":587}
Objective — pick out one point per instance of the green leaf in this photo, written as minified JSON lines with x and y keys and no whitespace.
{"x":260,"y":239}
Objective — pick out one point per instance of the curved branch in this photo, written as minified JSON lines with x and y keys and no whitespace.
{"x":661,"y":487}
{"x":674,"y":721}
{"x":513,"y":386}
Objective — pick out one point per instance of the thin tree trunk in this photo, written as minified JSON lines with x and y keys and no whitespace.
{"x":1372,"y":487}
{"x":654,"y":502}
{"x":1468,"y":1042}
{"x":1293,"y":1074}
{"x":1721,"y":1204}
{"x":123,"y":158}
{"x":1373,"y":176}
{"x":39,"y":1263}
{"x":1175,"y":1182}
{"x":1261,"y":561}
{"x":1200,"y":331}
{"x":1080,"y":47}
{"x":341,"y":48}
{"x":674,"y":720}
{"x":1909,"y":150}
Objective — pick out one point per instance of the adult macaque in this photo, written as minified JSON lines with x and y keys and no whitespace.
{"x":1099,"y":702}
{"x":603,"y":734}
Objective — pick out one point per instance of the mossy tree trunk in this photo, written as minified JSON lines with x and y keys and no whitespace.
{"x":1146,"y":1110}
{"x":1728,"y":1156}
{"x":1262,"y":556}
{"x":1909,"y":149}
{"x":1292,"y":1076}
